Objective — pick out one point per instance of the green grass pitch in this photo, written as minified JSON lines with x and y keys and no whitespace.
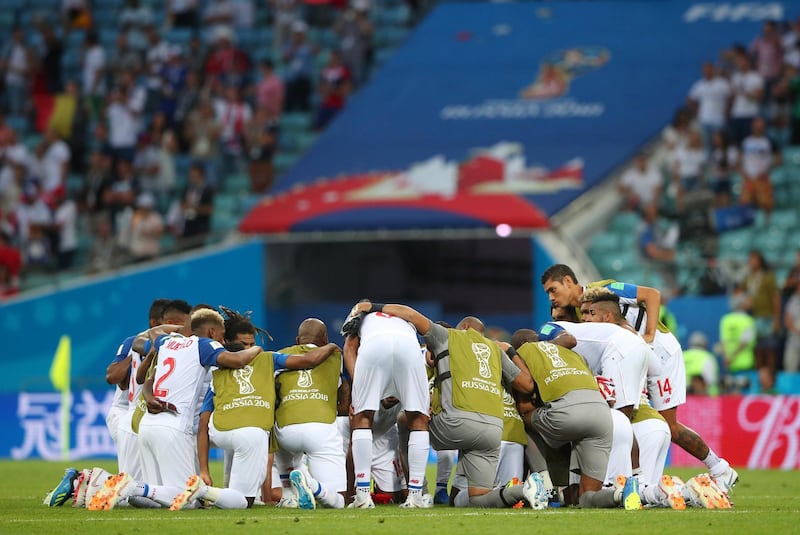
{"x":764,"y":502}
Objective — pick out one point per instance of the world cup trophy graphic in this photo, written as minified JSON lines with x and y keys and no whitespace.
{"x":483,"y":353}
{"x":242,"y":377}
{"x":305,"y":380}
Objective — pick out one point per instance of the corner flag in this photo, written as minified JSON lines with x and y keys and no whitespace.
{"x":59,"y":369}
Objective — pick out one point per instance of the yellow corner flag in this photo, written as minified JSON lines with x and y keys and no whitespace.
{"x":59,"y":369}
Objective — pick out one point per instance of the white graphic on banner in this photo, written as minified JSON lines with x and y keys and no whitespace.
{"x":40,"y":417}
{"x":778,"y":430}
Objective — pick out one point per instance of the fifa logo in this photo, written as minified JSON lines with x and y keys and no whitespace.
{"x":551,"y":351}
{"x":305,"y":380}
{"x":242,"y":377}
{"x":483,"y":353}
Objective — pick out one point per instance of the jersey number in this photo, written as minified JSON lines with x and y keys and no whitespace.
{"x":664,"y":388}
{"x":162,"y":392}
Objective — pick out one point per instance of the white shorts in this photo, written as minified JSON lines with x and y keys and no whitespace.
{"x":510,"y":464}
{"x":168,"y":455}
{"x":387,"y":470}
{"x":322,"y":445}
{"x":668,"y":389}
{"x":128,"y":455}
{"x":112,"y":420}
{"x":619,"y":460}
{"x":628,"y":369}
{"x":250,"y":447}
{"x":390,"y":365}
{"x":654,"y":439}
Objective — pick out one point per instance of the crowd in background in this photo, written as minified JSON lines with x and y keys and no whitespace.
{"x":124,"y":115}
{"x":720,"y":152}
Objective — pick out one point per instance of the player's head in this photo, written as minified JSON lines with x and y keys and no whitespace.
{"x":312,"y":331}
{"x":561,"y":285}
{"x":471,"y":322}
{"x":240,"y":328}
{"x":208,"y":323}
{"x":156,"y":311}
{"x":523,"y":336}
{"x":567,"y":313}
{"x":176,"y":312}
{"x":600,"y":305}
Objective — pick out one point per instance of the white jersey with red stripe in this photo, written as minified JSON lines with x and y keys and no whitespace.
{"x":183,"y":363}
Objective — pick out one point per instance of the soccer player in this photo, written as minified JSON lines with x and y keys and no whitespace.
{"x":468,"y":403}
{"x":244,"y":405}
{"x":384,"y":360}
{"x":667,"y":392}
{"x":570,"y":410}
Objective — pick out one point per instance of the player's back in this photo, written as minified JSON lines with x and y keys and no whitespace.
{"x":380,"y":323}
{"x":177,"y":379}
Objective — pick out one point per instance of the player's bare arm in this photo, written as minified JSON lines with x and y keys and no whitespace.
{"x":238,"y":359}
{"x":651,"y":298}
{"x":313,"y":358}
{"x":420,"y":322}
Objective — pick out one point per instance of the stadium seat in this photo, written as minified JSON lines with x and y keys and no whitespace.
{"x":236,"y":182}
{"x":296,"y":121}
{"x":791,"y":156}
{"x":390,"y":36}
{"x":625,"y":222}
{"x":604,"y":242}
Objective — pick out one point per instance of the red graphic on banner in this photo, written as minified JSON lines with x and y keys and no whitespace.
{"x":751,"y":431}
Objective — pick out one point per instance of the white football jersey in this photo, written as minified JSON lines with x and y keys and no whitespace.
{"x":382,"y":323}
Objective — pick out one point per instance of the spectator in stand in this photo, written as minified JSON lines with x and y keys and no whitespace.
{"x":50,"y":59}
{"x":737,"y":335}
{"x":16,"y":64}
{"x":196,"y":56}
{"x":104,"y":252}
{"x":167,"y":173}
{"x":688,"y":167}
{"x":202,"y":132}
{"x":182,"y":13}
{"x":792,"y":281}
{"x":640,"y":185}
{"x":173,"y":81}
{"x":14,"y":158}
{"x":284,"y":13}
{"x":76,"y":15}
{"x":261,"y":138}
{"x":298,"y":55}
{"x":226,"y":62}
{"x":657,"y":246}
{"x":124,"y":115}
{"x":355,"y":32}
{"x":702,"y":370}
{"x":219,"y":14}
{"x":764,"y":303}
{"x":33,"y":216}
{"x":791,"y":320}
{"x":197,"y":206}
{"x":145,"y":163}
{"x":232,"y":114}
{"x":187,"y":100}
{"x":92,"y":198}
{"x":56,"y":162}
{"x":676,"y":135}
{"x":134,"y":19}
{"x":748,"y":90}
{"x":124,"y":59}
{"x":709,"y":97}
{"x":791,"y":87}
{"x":335,"y":84}
{"x":10,"y":262}
{"x":270,"y":91}
{"x":94,"y":73}
{"x":120,"y":196}
{"x":158,"y":54}
{"x":780,"y":109}
{"x":65,"y":224}
{"x":723,"y":159}
{"x":147,"y":227}
{"x":760,"y":155}
{"x":767,"y":52}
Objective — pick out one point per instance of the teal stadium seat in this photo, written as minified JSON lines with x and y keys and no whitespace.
{"x":787,"y":383}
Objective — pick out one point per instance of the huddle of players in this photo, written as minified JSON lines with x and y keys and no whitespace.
{"x":488,"y":399}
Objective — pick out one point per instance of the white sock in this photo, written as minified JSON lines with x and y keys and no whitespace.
{"x":712,"y":461}
{"x":651,"y":495}
{"x":418,"y":448}
{"x":163,"y":495}
{"x":226,"y":498}
{"x":362,"y":458}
